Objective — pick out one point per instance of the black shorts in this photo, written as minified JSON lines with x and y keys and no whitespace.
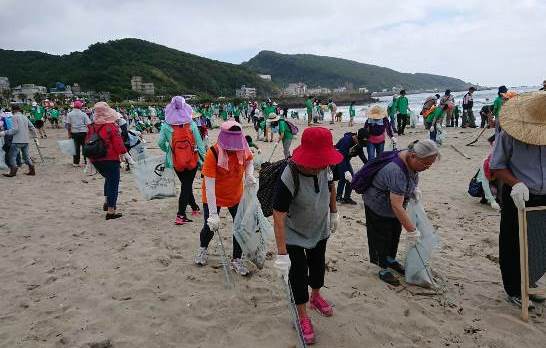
{"x":39,"y":124}
{"x":54,"y":121}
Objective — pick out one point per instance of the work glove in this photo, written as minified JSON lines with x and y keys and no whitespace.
{"x":520,"y":195}
{"x":214,"y":222}
{"x":417,"y":194}
{"x":495,"y":206}
{"x":129,"y":159}
{"x":394,"y":140}
{"x":412,"y":237}
{"x":348,"y":176}
{"x":334,"y":221}
{"x":282,"y":266}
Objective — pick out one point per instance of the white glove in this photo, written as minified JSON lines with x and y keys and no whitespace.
{"x":334,"y":221}
{"x":394,"y":140}
{"x":413,"y":237}
{"x":214,"y":222}
{"x":520,"y":195}
{"x":250,"y":180}
{"x":348,"y":176}
{"x":495,"y":206}
{"x":129,"y":159}
{"x":417,"y":194}
{"x":282,"y":266}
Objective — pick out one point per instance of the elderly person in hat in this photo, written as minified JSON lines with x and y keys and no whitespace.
{"x":271,"y":126}
{"x":108,"y":166}
{"x":227,"y":165}
{"x":304,"y":219}
{"x":180,"y":127}
{"x":519,"y":161}
{"x":385,"y":201}
{"x":76,"y":123}
{"x":377,"y":125}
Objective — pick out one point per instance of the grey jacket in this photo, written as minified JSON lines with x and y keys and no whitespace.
{"x":22,"y":129}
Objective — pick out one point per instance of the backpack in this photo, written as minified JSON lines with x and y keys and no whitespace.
{"x":293,"y":129}
{"x":95,"y":146}
{"x":363,"y":179}
{"x":270,"y":174}
{"x":475,"y":188}
{"x":184,"y":151}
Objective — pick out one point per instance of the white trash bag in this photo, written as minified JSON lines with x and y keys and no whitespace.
{"x":418,"y":257}
{"x":251,"y":228}
{"x":3,"y":164}
{"x":67,"y":147}
{"x":414,"y":119}
{"x":153,"y":179}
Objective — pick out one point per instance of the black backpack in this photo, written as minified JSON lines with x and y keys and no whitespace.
{"x":270,"y":173}
{"x":95,"y":146}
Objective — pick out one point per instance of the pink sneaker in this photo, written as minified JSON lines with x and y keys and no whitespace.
{"x":195,"y":213}
{"x":307,"y":330}
{"x":319,"y":303}
{"x":181,"y":220}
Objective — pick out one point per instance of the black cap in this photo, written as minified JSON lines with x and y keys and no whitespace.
{"x":437,"y":96}
{"x":448,"y":91}
{"x":403,"y":91}
{"x":472,"y":88}
{"x":503,"y":89}
{"x":362,"y":134}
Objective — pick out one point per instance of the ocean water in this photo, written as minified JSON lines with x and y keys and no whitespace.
{"x":481,"y":98}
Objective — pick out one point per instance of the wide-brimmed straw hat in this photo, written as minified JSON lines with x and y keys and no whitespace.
{"x":196,"y":115}
{"x":273,"y":117}
{"x":317,"y":149}
{"x":376,"y":112}
{"x":524,"y":118}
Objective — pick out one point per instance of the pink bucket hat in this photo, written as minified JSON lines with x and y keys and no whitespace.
{"x":104,"y":113}
{"x":178,"y":111}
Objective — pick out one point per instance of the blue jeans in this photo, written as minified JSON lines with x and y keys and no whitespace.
{"x":342,"y":183}
{"x":110,"y":171}
{"x":374,"y":150}
{"x":14,"y":150}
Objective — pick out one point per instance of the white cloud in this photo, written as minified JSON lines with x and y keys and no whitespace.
{"x":488,"y":42}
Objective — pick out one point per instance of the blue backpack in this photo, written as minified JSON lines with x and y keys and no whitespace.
{"x":363,"y":179}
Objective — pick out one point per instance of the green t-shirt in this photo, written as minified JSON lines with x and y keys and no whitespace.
{"x":224,"y":115}
{"x":309,"y":105}
{"x":402,"y":105}
{"x":268,"y":110}
{"x":54,"y":114}
{"x":435,"y":115}
{"x":284,"y":129}
{"x":352,"y":112}
{"x":38,"y":113}
{"x":497,"y":106}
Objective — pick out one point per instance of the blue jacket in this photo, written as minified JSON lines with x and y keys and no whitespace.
{"x":345,"y":144}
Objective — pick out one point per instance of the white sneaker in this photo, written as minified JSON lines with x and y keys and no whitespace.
{"x":239,"y":267}
{"x":201,"y":257}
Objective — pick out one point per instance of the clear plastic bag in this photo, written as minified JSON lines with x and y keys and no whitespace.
{"x":251,"y":228}
{"x":67,"y":147}
{"x":418,"y":271}
{"x":441,"y":136}
{"x":414,"y":119}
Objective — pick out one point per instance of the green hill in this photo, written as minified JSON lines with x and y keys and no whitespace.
{"x":109,"y":67}
{"x":334,"y":72}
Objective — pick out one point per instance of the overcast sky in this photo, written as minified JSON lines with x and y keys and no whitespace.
{"x":490,"y":42}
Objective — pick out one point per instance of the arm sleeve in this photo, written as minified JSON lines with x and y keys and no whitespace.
{"x":117,"y":141}
{"x":210,"y":185}
{"x":502,"y":152}
{"x":282,"y":197}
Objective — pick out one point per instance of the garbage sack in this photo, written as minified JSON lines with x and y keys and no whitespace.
{"x":67,"y":147}
{"x":251,"y":228}
{"x":414,"y":119}
{"x":138,"y":152}
{"x":153,"y":179}
{"x":418,"y":271}
{"x":3,"y":164}
{"x":258,"y":160}
{"x":441,"y":136}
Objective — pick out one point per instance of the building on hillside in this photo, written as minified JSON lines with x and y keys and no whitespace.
{"x":104,"y":96}
{"x":139,"y":86}
{"x":363,"y":90}
{"x":265,"y":77}
{"x":76,"y":88}
{"x":26,"y":92}
{"x":61,"y":92}
{"x":318,"y":91}
{"x":340,"y":90}
{"x":4,"y":84}
{"x":296,"y":89}
{"x":245,"y":92}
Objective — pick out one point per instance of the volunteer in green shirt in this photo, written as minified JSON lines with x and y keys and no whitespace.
{"x":223,"y":113}
{"x":309,"y":106}
{"x":391,"y":112}
{"x":402,"y":106}
{"x":285,"y":135}
{"x":268,"y":109}
{"x":497,"y":104}
{"x":54,"y":117}
{"x":38,"y":113}
{"x":432,"y":121}
{"x":352,"y":114}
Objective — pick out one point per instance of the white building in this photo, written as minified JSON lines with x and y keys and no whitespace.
{"x":296,"y":89}
{"x":265,"y":77}
{"x":4,"y":84}
{"x":26,"y":92}
{"x":148,"y":88}
{"x":363,"y":90}
{"x":139,"y":86}
{"x":340,"y":90}
{"x":318,"y":91}
{"x":245,"y":92}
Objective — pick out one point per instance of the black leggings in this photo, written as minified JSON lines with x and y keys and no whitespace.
{"x":79,"y":140}
{"x":186,"y":178}
{"x":402,"y":121}
{"x":383,"y":237}
{"x":307,"y":269}
{"x":206,"y":234}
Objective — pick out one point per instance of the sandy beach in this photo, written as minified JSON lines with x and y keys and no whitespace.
{"x":68,"y":278}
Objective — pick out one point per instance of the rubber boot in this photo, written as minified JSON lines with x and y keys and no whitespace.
{"x":31,"y":171}
{"x":12,"y":172}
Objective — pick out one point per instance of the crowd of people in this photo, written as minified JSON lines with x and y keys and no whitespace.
{"x":318,"y":176}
